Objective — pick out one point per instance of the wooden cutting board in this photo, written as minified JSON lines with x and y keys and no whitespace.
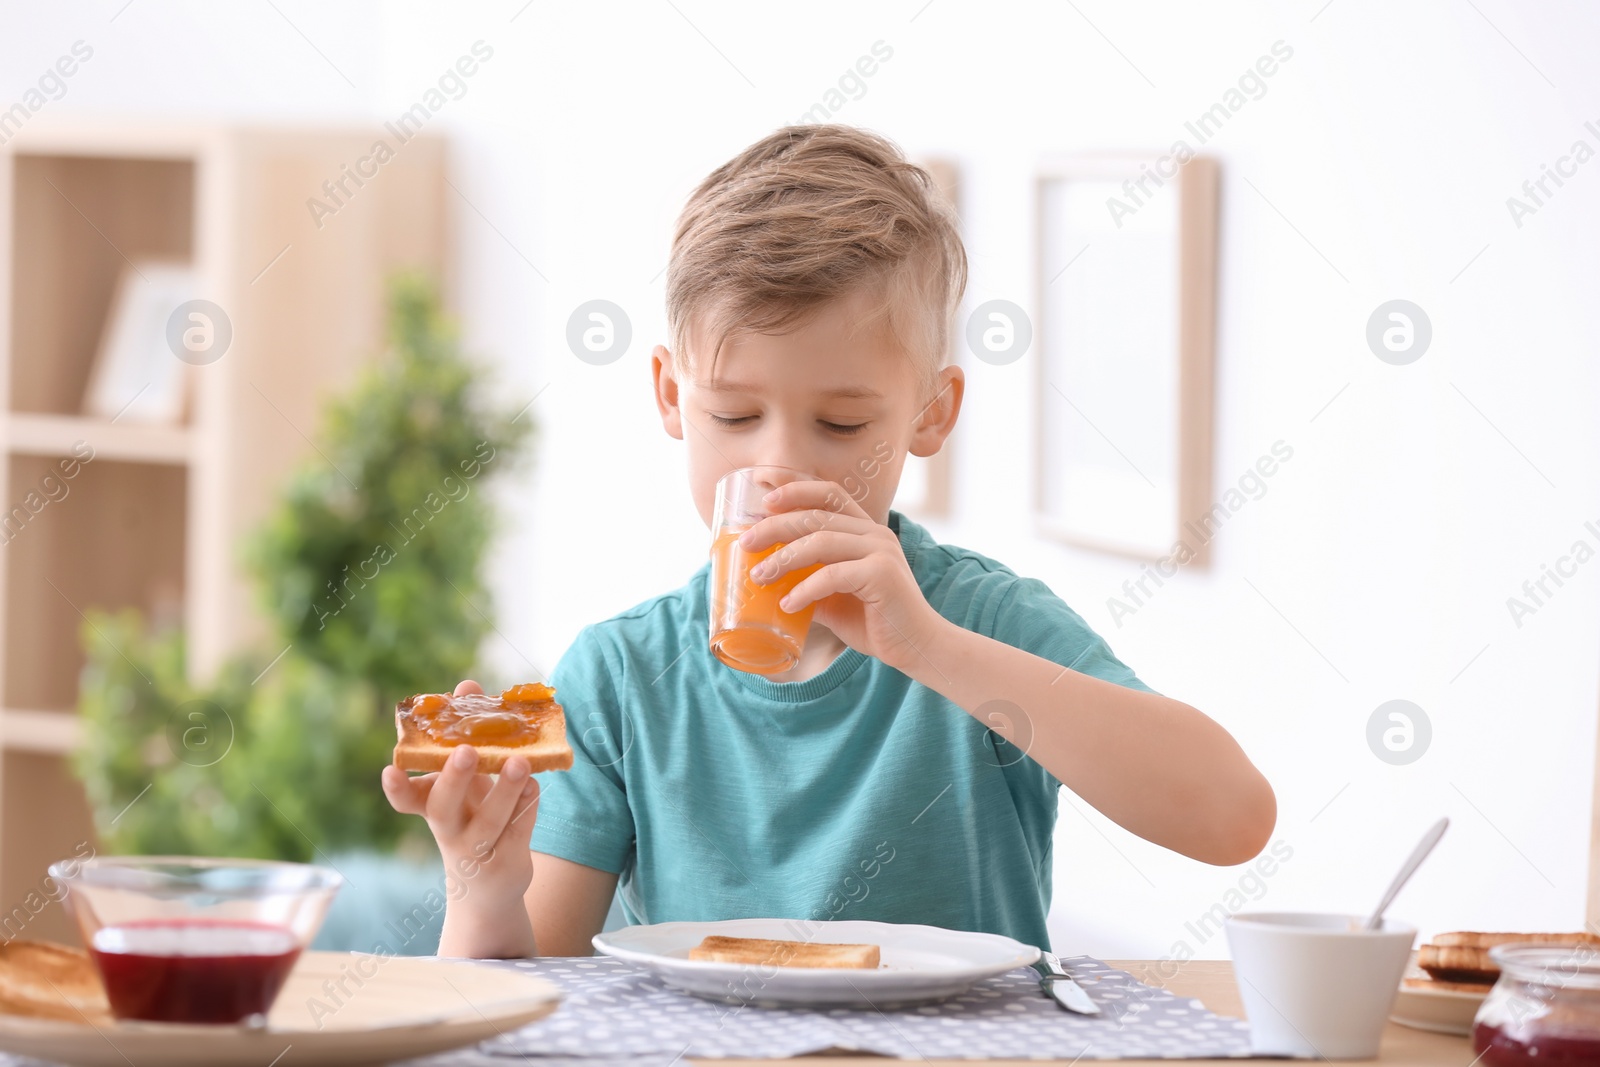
{"x":336,"y":1009}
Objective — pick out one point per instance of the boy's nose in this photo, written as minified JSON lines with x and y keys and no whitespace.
{"x":769,"y":476}
{"x":785,"y":446}
{"x":778,"y":471}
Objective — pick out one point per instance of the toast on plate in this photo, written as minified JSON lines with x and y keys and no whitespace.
{"x":525,"y":721}
{"x":775,"y":953}
{"x":43,"y":980}
{"x":1462,"y":957}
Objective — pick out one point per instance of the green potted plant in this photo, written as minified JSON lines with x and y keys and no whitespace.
{"x":370,"y":568}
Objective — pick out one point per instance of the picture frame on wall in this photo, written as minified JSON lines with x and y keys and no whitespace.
{"x":924,"y":490}
{"x":1126,"y":307}
{"x":136,"y":377}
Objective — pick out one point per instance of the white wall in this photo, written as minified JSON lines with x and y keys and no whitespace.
{"x":1381,"y":157}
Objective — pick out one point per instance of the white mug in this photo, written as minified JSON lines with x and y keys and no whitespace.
{"x":1316,"y":984}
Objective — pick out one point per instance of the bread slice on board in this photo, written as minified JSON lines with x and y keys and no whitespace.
{"x":1463,"y":956}
{"x":773,"y":953}
{"x":43,"y":980}
{"x":523,"y":721}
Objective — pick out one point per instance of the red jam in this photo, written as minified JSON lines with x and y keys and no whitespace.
{"x":193,"y":971}
{"x":1497,"y":1048}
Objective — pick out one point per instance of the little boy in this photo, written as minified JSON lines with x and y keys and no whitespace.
{"x":907,"y":768}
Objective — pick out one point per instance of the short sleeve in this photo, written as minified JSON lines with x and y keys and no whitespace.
{"x":1031,"y":617}
{"x":1025,"y":614}
{"x":583,"y":812}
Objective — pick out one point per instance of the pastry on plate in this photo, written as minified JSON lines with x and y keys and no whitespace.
{"x":44,"y":980}
{"x":1460,"y":960}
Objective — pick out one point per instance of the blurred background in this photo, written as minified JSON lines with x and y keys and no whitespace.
{"x":187,"y":667}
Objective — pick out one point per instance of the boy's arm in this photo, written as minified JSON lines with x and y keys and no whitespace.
{"x":1154,"y":765}
{"x":567,"y":904}
{"x":564,"y":907}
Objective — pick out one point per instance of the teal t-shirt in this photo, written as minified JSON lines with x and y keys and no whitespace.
{"x":856,"y":794}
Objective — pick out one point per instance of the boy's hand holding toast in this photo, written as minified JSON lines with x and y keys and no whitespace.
{"x":863,"y":588}
{"x":482,"y":824}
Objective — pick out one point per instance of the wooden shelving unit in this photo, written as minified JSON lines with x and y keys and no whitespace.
{"x":153,"y":521}
{"x":54,"y":435}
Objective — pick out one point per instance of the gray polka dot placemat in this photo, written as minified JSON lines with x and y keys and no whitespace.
{"x":616,"y":1015}
{"x":615,"y":1010}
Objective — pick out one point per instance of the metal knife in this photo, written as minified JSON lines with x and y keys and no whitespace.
{"x":1059,"y":985}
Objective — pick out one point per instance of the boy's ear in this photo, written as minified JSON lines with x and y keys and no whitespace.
{"x":936,"y":420}
{"x":666,"y":390}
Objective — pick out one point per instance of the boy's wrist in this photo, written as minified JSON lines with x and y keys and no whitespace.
{"x":925,"y":647}
{"x":482,"y":928}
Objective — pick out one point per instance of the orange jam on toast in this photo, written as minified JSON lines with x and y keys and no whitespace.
{"x":515,"y":717}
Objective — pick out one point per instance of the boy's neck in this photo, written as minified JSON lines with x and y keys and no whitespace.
{"x":822,"y":648}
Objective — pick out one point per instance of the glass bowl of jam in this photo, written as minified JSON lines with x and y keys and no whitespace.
{"x":187,"y":939}
{"x":1544,"y":1011}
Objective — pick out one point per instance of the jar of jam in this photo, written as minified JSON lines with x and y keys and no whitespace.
{"x":1544,"y":1010}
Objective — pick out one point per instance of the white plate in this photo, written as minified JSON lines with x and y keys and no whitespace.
{"x":918,"y":963}
{"x":1442,"y":1011}
{"x":397,"y":1007}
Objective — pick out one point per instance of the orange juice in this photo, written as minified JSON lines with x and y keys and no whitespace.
{"x":749,"y":631}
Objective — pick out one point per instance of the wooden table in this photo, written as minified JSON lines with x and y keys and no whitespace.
{"x":1212,"y":982}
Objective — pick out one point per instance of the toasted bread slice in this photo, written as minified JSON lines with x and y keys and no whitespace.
{"x":43,"y":980}
{"x":773,"y":953}
{"x":1463,"y":956}
{"x":523,"y":721}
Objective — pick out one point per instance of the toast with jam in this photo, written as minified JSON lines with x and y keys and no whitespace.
{"x":525,"y":721}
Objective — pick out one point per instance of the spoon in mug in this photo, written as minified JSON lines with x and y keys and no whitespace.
{"x":1418,"y":854}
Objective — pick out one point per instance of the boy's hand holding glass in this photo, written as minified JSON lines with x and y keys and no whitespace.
{"x":861,"y":585}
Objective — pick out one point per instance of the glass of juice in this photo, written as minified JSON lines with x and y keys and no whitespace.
{"x":190,"y":939}
{"x":749,"y":631}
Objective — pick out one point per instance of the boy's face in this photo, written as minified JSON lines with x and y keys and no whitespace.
{"x":828,"y":398}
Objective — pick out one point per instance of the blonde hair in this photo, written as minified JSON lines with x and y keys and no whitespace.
{"x":802,"y":217}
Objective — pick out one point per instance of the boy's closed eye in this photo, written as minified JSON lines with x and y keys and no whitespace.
{"x":842,"y":429}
